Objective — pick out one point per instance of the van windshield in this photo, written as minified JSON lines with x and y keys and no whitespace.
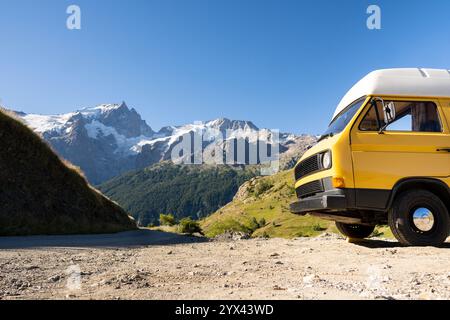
{"x":342,"y":119}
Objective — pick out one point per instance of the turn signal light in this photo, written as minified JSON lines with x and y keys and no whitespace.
{"x":338,"y":182}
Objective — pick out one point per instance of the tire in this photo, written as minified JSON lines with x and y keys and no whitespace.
{"x":356,"y":231}
{"x":404,"y":227}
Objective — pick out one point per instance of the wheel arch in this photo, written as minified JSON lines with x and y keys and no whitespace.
{"x":436,"y":186}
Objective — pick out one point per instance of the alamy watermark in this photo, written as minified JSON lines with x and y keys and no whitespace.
{"x":73,"y":273}
{"x":231,"y":146}
{"x":374,"y":20}
{"x":73,"y":21}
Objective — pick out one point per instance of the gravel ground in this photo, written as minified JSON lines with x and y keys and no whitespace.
{"x":178,"y":267}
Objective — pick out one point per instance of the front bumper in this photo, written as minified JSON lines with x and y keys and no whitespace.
{"x":320,"y":203}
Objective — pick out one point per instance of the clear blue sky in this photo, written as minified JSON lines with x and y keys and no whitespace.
{"x":282,"y":64}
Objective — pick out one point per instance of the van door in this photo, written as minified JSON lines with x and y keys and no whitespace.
{"x":415,"y":144}
{"x":445,"y":108}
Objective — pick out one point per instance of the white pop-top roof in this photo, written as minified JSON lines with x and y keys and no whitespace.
{"x":401,"y":82}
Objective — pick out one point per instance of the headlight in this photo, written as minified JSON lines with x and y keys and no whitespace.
{"x":326,"y":160}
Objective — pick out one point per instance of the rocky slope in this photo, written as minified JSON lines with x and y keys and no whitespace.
{"x":110,"y":139}
{"x":41,"y":194}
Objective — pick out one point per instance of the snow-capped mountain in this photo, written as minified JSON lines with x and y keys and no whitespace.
{"x":109,"y":139}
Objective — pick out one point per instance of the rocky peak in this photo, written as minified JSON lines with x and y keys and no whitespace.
{"x":166,"y":131}
{"x":127,"y":122}
{"x":223,"y":124}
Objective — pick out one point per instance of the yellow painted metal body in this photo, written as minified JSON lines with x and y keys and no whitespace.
{"x":370,"y":160}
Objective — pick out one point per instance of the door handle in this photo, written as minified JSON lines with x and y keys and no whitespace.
{"x":444,"y":149}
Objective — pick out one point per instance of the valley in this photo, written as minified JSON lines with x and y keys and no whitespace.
{"x":119,"y":153}
{"x":182,"y":190}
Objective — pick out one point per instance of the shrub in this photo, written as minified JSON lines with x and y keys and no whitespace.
{"x":262,"y":187}
{"x":253,"y":225}
{"x":187,"y":225}
{"x":301,"y":234}
{"x":167,"y":219}
{"x":262,"y":222}
{"x":318,"y":227}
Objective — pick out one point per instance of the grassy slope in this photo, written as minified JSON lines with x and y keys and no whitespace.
{"x":273,"y":206}
{"x":42,"y":194}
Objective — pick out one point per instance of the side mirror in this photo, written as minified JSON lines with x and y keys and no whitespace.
{"x":389,"y":112}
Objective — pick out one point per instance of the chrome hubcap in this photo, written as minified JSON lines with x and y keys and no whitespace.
{"x":423,"y":219}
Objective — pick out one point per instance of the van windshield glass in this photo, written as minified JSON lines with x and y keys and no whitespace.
{"x":341,"y":121}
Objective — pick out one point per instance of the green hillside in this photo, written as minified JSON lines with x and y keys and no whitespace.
{"x":42,"y":194}
{"x":182,"y":190}
{"x":261,"y":207}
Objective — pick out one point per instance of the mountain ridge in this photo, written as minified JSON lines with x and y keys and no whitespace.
{"x":110,"y":139}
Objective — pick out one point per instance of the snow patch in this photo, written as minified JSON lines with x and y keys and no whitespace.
{"x":43,"y":123}
{"x":96,"y":130}
{"x":93,"y":112}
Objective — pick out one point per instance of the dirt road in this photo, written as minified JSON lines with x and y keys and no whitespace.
{"x":176,"y":267}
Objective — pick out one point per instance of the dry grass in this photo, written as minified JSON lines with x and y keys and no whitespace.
{"x":43,"y":194}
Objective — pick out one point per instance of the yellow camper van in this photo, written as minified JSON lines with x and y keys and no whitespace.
{"x":384,"y":159}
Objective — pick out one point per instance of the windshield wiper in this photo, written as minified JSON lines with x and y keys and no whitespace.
{"x":324,"y":136}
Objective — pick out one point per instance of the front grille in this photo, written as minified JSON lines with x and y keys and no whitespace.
{"x":308,"y":166}
{"x":309,"y":189}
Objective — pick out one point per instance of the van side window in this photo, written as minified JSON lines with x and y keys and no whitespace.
{"x":413,"y":116}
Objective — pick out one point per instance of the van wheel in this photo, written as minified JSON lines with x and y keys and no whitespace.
{"x":356,"y":231}
{"x":419,"y":218}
